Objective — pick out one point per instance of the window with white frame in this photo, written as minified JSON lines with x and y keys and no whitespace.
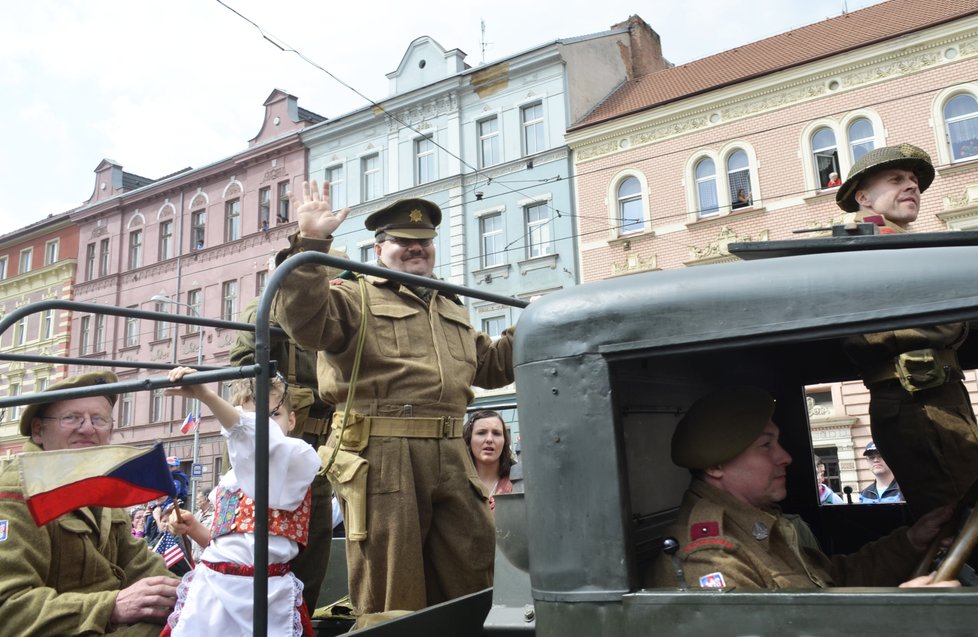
{"x":825,"y":155}
{"x":264,"y":207}
{"x":531,"y":118}
{"x":261,"y":280}
{"x":707,"y":203}
{"x":15,"y":409}
{"x":156,"y":406}
{"x":284,"y":190}
{"x":489,"y":143}
{"x":198,"y":224}
{"x":90,"y":262}
{"x":3,"y":268}
{"x":26,"y":256}
{"x":424,"y":151}
{"x":195,"y":307}
{"x":370,"y":174}
{"x":229,"y":298}
{"x":961,"y":122}
{"x":51,"y":251}
{"x":132,"y":330}
{"x":738,"y":180}
{"x":83,"y":334}
{"x":862,"y":139}
{"x":494,"y":326}
{"x":367,"y":253}
{"x":126,"y":404}
{"x":99,"y":345}
{"x":47,"y":324}
{"x":161,"y":329}
{"x":337,"y":186}
{"x":103,"y":257}
{"x":135,"y":249}
{"x":538,"y":241}
{"x":166,"y":239}
{"x":630,"y":217}
{"x":232,"y":220}
{"x":41,"y":383}
{"x":20,"y":331}
{"x":491,"y":232}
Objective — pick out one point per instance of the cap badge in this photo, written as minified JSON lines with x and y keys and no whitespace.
{"x":416,"y":216}
{"x":760,"y":531}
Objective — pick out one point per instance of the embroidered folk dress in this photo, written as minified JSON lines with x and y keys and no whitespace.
{"x":219,"y":604}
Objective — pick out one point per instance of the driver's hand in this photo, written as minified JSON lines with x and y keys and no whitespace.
{"x":927,"y":581}
{"x":923,"y":532}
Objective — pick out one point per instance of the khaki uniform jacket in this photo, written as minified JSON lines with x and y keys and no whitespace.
{"x":756,"y":549}
{"x":422,"y":354}
{"x":63,"y":578}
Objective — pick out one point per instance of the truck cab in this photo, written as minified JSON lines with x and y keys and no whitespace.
{"x":604,"y":372}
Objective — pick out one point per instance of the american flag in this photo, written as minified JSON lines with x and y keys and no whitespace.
{"x":170,"y":549}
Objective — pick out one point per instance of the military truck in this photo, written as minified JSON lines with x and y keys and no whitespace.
{"x":604,"y":371}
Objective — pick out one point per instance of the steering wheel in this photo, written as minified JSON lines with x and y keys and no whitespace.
{"x":965,"y":540}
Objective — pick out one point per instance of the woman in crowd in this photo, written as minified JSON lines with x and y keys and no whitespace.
{"x":488,"y":441}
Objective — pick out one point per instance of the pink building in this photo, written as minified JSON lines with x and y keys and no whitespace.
{"x":739,"y":146}
{"x":201,"y":238}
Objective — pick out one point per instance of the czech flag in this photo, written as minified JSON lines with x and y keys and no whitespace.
{"x":56,"y":482}
{"x":190,"y":423}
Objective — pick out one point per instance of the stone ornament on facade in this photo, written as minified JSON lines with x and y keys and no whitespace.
{"x":718,"y":247}
{"x":634,"y":263}
{"x":414,"y":115}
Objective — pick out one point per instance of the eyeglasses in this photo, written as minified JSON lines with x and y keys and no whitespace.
{"x":404,"y":243}
{"x":75,"y":421}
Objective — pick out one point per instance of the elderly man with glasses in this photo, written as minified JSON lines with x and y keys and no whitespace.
{"x":83,"y":573}
{"x":419,"y":530}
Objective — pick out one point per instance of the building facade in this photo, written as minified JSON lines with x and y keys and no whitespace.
{"x":198,"y":242}
{"x":740,"y":146}
{"x":37,"y":263}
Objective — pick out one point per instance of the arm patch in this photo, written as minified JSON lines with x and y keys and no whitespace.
{"x":708,"y":543}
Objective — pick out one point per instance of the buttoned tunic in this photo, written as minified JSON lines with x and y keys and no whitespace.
{"x":725,"y":542}
{"x":63,"y":578}
{"x":430,"y":532}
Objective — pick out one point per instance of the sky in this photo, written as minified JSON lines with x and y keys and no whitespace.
{"x":160,"y":85}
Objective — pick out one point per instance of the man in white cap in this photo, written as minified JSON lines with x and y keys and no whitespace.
{"x":730,"y":530}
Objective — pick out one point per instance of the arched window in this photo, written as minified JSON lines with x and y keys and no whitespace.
{"x":861,"y":137}
{"x":825,"y":154}
{"x":630,"y":206}
{"x":706,"y":188}
{"x":961,"y":119}
{"x":738,"y":180}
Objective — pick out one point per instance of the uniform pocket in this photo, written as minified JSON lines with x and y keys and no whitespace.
{"x":76,"y":552}
{"x":459,"y":335}
{"x":391,"y":327}
{"x":384,"y":455}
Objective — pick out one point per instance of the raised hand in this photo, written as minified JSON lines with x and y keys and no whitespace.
{"x":316,"y":217}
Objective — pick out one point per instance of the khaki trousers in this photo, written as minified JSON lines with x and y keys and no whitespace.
{"x":430,"y":534}
{"x":929,"y":439}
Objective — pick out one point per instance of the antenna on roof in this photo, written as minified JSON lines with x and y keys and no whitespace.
{"x":482,"y":43}
{"x":845,"y":7}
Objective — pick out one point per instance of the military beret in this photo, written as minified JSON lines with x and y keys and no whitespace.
{"x":406,"y":219}
{"x":905,"y":156}
{"x":721,"y":425}
{"x":82,"y":380}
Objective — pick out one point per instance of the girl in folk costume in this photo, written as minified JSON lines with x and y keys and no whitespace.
{"x":216,"y":597}
{"x":487,"y":438}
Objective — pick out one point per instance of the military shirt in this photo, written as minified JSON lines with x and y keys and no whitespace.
{"x":423,"y":354}
{"x":63,"y":578}
{"x":727,"y":543}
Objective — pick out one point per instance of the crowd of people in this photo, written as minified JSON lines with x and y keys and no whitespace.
{"x":374,"y":438}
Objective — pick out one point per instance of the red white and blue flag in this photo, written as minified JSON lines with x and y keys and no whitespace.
{"x":169,"y":548}
{"x":190,"y":423}
{"x":56,"y":482}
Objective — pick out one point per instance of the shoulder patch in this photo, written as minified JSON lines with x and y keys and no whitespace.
{"x":708,"y":543}
{"x":713,"y":580}
{"x":12,"y":495}
{"x":699,"y":530}
{"x":3,"y":530}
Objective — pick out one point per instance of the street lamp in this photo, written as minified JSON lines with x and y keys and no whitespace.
{"x":162,"y":298}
